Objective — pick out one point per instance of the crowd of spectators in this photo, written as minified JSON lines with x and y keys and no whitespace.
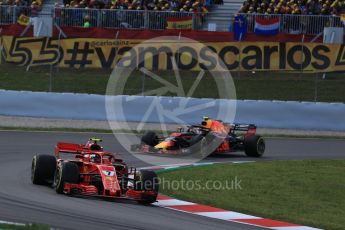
{"x":25,"y":7}
{"x":126,"y":13}
{"x":154,"y":5}
{"x":21,"y":3}
{"x":129,"y":14}
{"x":15,"y":2}
{"x":297,"y":7}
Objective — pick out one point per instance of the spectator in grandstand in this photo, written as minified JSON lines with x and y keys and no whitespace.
{"x":87,"y":23}
{"x":21,"y":3}
{"x":35,"y":9}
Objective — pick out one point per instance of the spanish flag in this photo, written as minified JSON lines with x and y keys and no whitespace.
{"x":23,"y":20}
{"x":184,"y":23}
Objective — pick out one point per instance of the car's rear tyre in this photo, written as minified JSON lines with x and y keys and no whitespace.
{"x":150,"y":138}
{"x":254,"y":146}
{"x":43,"y":169}
{"x":67,"y":172}
{"x":148,"y":181}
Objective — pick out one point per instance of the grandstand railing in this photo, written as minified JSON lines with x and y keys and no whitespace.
{"x":10,"y":14}
{"x":293,"y":24}
{"x":298,"y":24}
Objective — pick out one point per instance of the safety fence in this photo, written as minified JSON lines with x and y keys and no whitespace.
{"x":130,"y":19}
{"x":10,"y":14}
{"x":157,"y":20}
{"x":269,"y":114}
{"x":293,"y":24}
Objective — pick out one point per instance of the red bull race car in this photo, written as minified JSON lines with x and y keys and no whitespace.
{"x":210,"y":137}
{"x":89,"y":171}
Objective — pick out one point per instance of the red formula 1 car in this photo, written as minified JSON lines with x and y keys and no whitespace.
{"x":199,"y":138}
{"x":93,"y":172}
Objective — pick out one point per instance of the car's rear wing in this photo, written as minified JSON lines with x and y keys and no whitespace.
{"x":68,"y":148}
{"x":245,"y":128}
{"x":248,"y":129}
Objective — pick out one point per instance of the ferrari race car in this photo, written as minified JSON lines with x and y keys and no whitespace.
{"x":90,"y":171}
{"x":223,"y":136}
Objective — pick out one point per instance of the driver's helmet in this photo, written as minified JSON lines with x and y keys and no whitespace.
{"x":95,"y":158}
{"x":179,"y":129}
{"x":205,"y":118}
{"x":206,"y":122}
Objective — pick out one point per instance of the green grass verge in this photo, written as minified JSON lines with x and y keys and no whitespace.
{"x":310,"y":192}
{"x":261,"y":85}
{"x":26,"y":227}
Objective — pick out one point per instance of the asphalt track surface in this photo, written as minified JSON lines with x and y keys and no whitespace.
{"x":23,"y":202}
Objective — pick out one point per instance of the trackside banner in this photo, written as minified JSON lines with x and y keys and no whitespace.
{"x":105,"y":53}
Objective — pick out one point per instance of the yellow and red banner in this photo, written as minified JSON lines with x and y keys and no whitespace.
{"x":106,"y":53}
{"x":184,"y":23}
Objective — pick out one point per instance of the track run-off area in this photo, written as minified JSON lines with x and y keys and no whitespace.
{"x":21,"y":201}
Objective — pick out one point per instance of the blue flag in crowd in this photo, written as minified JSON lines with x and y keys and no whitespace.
{"x":240,"y":27}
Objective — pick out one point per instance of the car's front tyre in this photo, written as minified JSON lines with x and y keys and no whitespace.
{"x":150,"y":138}
{"x":148,"y":181}
{"x":43,"y":169}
